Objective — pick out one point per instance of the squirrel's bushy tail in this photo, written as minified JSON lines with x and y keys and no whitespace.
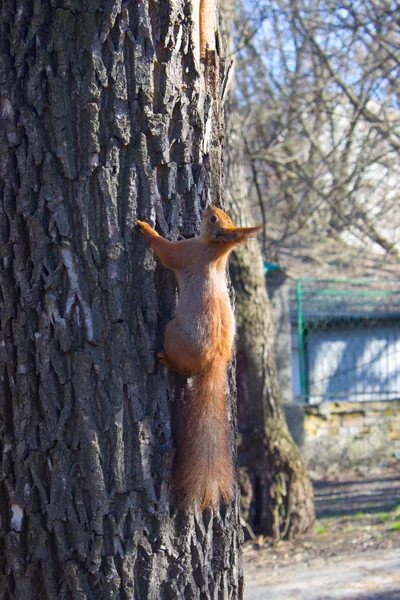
{"x":204,"y":474}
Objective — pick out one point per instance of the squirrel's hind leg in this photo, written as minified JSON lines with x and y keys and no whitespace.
{"x":179,"y":352}
{"x":163,"y":359}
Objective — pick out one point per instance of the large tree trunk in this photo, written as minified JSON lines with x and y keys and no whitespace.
{"x":281,"y":499}
{"x":106,"y":118}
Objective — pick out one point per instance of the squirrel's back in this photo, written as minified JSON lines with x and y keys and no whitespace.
{"x":204,"y":311}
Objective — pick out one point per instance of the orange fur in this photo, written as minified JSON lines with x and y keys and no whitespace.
{"x":198,"y":343}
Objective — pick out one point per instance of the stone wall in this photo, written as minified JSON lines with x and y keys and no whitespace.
{"x":335,"y":435}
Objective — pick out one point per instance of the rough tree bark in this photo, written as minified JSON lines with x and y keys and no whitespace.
{"x":281,"y":491}
{"x":106,"y":118}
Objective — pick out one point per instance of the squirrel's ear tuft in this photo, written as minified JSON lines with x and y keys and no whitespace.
{"x":244,"y":233}
{"x":254,"y":230}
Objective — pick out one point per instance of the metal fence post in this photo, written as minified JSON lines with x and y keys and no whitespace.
{"x":300,"y":333}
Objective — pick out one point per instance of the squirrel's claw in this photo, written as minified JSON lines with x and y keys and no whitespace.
{"x":146,"y":229}
{"x":162,"y":359}
{"x":142,"y":226}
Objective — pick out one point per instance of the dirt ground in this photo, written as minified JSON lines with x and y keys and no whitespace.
{"x":353,"y":552}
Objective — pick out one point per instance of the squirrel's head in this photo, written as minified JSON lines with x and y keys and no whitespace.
{"x":218,"y":227}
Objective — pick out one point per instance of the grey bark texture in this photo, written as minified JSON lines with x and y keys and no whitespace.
{"x":279,"y":498}
{"x":105,"y":119}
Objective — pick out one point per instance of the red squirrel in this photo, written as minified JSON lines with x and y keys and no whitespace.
{"x":198,"y":343}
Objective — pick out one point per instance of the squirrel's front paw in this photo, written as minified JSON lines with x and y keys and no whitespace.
{"x":146,"y":230}
{"x":143,"y":227}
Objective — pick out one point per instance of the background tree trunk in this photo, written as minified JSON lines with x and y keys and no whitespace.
{"x":281,"y":491}
{"x":105,"y":119}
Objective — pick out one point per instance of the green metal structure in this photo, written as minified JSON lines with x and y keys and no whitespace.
{"x":348,"y":339}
